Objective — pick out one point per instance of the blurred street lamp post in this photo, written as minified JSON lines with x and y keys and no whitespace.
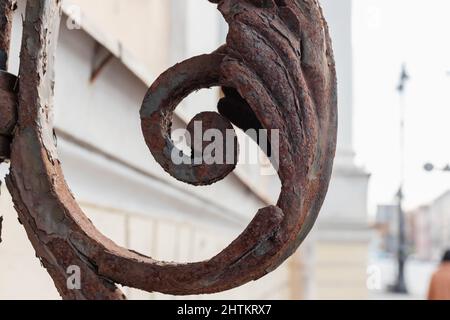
{"x":431,"y":167}
{"x":400,"y":284}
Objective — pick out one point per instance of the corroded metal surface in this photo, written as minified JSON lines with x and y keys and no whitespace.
{"x":277,"y":71}
{"x":46,"y":208}
{"x":6,"y":10}
{"x":8,"y":111}
{"x":8,"y":115}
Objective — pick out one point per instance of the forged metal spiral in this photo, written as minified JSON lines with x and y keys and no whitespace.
{"x":277,"y":72}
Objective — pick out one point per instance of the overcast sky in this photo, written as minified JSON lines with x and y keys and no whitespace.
{"x":388,"y":33}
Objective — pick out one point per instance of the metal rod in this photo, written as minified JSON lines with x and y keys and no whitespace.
{"x":7,"y":8}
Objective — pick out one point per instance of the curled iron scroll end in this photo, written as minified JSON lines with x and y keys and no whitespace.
{"x":156,"y":116}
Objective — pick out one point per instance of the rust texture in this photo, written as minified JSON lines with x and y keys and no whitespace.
{"x":8,"y":111}
{"x":43,"y":201}
{"x":277,"y":72}
{"x":8,"y":118}
{"x":8,"y":114}
{"x":6,"y":10}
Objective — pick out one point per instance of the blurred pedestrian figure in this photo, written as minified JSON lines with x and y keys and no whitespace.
{"x":440,"y":282}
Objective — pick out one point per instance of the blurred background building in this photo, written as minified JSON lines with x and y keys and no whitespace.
{"x":109,"y":52}
{"x":427,"y":238}
{"x":430,"y":228}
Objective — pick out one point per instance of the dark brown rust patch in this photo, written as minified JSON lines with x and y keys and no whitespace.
{"x":8,"y":103}
{"x":7,"y":8}
{"x":8,"y":112}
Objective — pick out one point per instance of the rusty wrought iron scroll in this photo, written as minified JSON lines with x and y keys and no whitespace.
{"x":8,"y":101}
{"x":277,"y":72}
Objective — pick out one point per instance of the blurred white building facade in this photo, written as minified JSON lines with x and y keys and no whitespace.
{"x":342,"y":235}
{"x":431,"y":228}
{"x":129,"y":197}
